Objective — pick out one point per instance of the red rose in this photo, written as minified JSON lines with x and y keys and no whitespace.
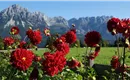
{"x":126,"y":27}
{"x":22,"y":59}
{"x":97,"y":50}
{"x":91,"y":56}
{"x":46,"y":54}
{"x":112,"y":24}
{"x":37,"y":58}
{"x":8,"y":41}
{"x":53,"y":63}
{"x":15,"y":30}
{"x":22,"y":44}
{"x":29,"y":33}
{"x":92,"y":38}
{"x":70,"y":37}
{"x":59,"y":41}
{"x":64,"y":48}
{"x":34,"y":36}
{"x":73,"y":63}
{"x":123,"y":25}
{"x":60,"y":45}
{"x":122,"y":68}
{"x":115,"y":62}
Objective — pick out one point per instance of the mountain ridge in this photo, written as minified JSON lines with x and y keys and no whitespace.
{"x":16,"y":15}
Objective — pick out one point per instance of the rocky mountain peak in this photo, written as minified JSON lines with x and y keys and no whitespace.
{"x":16,"y":15}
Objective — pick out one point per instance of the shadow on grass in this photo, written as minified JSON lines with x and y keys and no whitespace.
{"x":100,"y":69}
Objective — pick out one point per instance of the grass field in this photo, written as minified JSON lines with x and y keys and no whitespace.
{"x":104,"y":56}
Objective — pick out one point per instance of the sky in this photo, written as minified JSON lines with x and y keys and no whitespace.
{"x":74,"y":9}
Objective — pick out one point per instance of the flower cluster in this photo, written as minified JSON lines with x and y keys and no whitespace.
{"x":34,"y":36}
{"x":8,"y":41}
{"x":53,"y":63}
{"x":22,"y":59}
{"x":115,"y":64}
{"x":115,"y":25}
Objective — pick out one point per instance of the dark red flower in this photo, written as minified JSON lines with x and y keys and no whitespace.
{"x":29,"y":33}
{"x":122,"y":68}
{"x":34,"y":36}
{"x":126,"y":34}
{"x":112,"y":24}
{"x":8,"y":41}
{"x":53,"y":63}
{"x":62,"y":46}
{"x":115,"y":62}
{"x":123,"y":25}
{"x":92,"y":38}
{"x":47,"y":32}
{"x":91,"y":56}
{"x":97,"y":50}
{"x":126,"y":27}
{"x":94,"y":54}
{"x":37,"y":58}
{"x":59,"y":40}
{"x":73,"y":63}
{"x":34,"y":74}
{"x":22,"y":59}
{"x":70,"y":37}
{"x":15,"y":30}
{"x":46,"y":54}
{"x":22,"y":44}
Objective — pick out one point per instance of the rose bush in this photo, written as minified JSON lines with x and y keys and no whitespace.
{"x":22,"y":61}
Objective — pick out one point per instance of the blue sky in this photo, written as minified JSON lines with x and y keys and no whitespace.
{"x":70,"y":9}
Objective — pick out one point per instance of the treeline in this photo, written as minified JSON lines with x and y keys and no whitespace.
{"x":103,"y":43}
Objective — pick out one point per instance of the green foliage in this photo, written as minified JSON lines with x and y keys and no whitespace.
{"x":68,"y":74}
{"x":104,"y":57}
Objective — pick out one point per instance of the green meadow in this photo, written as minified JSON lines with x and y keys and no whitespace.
{"x":103,"y":58}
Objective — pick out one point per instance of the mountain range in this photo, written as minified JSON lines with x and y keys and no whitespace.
{"x":15,"y":15}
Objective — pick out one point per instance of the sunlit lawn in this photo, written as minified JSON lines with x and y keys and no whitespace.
{"x":104,"y":56}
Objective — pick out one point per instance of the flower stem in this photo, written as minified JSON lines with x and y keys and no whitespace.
{"x":87,"y":50}
{"x":90,"y":49}
{"x":123,"y":62}
{"x":25,"y":38}
{"x":117,"y":45}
